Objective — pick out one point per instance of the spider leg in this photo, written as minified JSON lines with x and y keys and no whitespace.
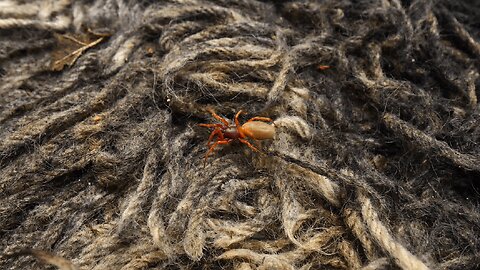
{"x":249,"y":145}
{"x":257,"y":144}
{"x":218,"y":132}
{"x":218,"y":117}
{"x":237,"y":123}
{"x":257,"y":118}
{"x":210,"y":125}
{"x":213,"y":147}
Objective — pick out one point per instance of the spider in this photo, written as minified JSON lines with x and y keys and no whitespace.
{"x":254,"y":128}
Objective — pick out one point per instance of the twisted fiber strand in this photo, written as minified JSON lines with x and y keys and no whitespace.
{"x":10,"y":8}
{"x":43,"y":9}
{"x":272,"y":246}
{"x":19,"y":82}
{"x":449,"y":79}
{"x":24,"y":137}
{"x":12,"y":51}
{"x":49,"y":259}
{"x":427,"y":143}
{"x":321,"y":184}
{"x":403,"y":257}
{"x":63,"y":87}
{"x":177,"y":32}
{"x":178,"y":219}
{"x":145,"y":260}
{"x":295,"y":123}
{"x":266,"y":261}
{"x":465,"y":86}
{"x":288,"y":64}
{"x":220,"y":68}
{"x":354,"y":222}
{"x":159,"y":19}
{"x":459,"y":30}
{"x":176,"y":11}
{"x":323,"y":243}
{"x":350,"y":254}
{"x":282,"y":260}
{"x":237,"y":186}
{"x":233,"y":29}
{"x":194,"y":240}
{"x":206,"y":80}
{"x":223,"y":47}
{"x":58,"y":209}
{"x":146,"y":184}
{"x":45,"y":217}
{"x":236,"y":30}
{"x":382,"y":89}
{"x":90,"y":239}
{"x":378,"y":264}
{"x":461,"y":262}
{"x":201,"y":211}
{"x":120,"y":257}
{"x":11,"y":145}
{"x":170,"y":184}
{"x":293,"y":214}
{"x":124,"y":51}
{"x":61,"y":23}
{"x":227,"y":233}
{"x":68,"y":215}
{"x":346,"y":177}
{"x":144,"y":134}
{"x":19,"y":197}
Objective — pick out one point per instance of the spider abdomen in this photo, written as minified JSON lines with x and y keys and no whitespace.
{"x":258,"y":130}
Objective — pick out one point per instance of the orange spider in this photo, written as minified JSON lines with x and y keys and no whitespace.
{"x":226,"y":133}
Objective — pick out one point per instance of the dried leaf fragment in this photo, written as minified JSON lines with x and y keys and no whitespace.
{"x":69,"y":48}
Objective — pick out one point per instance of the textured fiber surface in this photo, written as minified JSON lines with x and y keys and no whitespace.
{"x":375,"y":164}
